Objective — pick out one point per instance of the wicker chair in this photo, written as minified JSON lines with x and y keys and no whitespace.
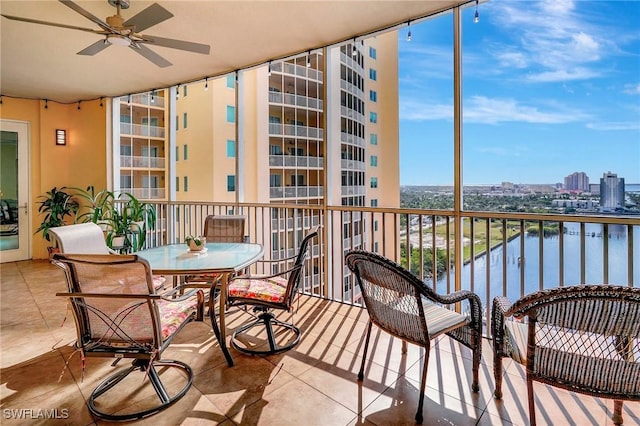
{"x":119,"y":315}
{"x":584,"y":339}
{"x":267,"y":292}
{"x":403,"y":306}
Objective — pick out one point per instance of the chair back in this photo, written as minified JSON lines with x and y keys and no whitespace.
{"x":85,"y":238}
{"x":586,"y":337}
{"x":113,"y":303}
{"x":224,"y":229}
{"x":391,"y":294}
{"x":297,"y":270}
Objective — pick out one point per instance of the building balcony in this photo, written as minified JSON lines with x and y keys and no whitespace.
{"x":296,"y":192}
{"x":146,"y":193}
{"x":128,"y":129}
{"x":296,"y":161}
{"x":276,"y":129}
{"x":297,"y":70}
{"x":144,"y":99}
{"x":300,"y":101}
{"x":314,"y":383}
{"x":353,"y":165}
{"x":145,"y":162}
{"x":352,"y":139}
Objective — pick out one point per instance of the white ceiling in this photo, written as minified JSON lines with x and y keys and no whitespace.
{"x":40,"y":61}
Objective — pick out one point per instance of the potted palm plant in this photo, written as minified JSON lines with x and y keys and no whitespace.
{"x":56,"y":205}
{"x":98,"y":206}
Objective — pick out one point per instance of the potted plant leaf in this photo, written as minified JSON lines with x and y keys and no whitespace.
{"x":56,"y":205}
{"x":97,"y":207}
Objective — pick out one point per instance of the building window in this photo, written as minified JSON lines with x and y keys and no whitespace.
{"x":125,"y":182}
{"x":374,"y":202}
{"x":374,"y":161}
{"x":374,"y":182}
{"x":231,"y":148}
{"x":375,"y":225}
{"x":184,"y":120}
{"x":373,"y":74}
{"x":231,"y":183}
{"x":177,"y":122}
{"x":275,"y":181}
{"x":184,"y":90}
{"x":177,"y":153}
{"x":231,"y":114}
{"x":177,"y":184}
{"x":372,"y":52}
{"x":231,"y":81}
{"x":184,"y":152}
{"x":373,"y":96}
{"x":185,"y":181}
{"x":373,"y":117}
{"x":375,"y":247}
{"x":373,"y":138}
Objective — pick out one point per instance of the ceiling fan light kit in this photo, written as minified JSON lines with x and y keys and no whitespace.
{"x":126,"y":33}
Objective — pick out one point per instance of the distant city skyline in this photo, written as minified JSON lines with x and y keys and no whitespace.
{"x":549,"y":88}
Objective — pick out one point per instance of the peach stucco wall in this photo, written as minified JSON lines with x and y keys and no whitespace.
{"x":82,"y":162}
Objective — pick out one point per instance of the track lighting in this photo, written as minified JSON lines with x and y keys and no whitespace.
{"x":100,"y":100}
{"x":153,"y":96}
{"x":308,"y":59}
{"x":0,"y":99}
{"x":269,"y":69}
{"x":177,"y":92}
{"x":129,"y":98}
{"x":409,"y":33}
{"x":354,"y":52}
{"x":79,"y":105}
{"x":476,"y":16}
{"x":46,"y":104}
{"x":206,"y":84}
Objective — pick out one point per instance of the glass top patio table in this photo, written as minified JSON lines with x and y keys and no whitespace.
{"x":217,"y":258}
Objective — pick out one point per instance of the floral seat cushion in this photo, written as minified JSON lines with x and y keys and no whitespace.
{"x":267,"y":289}
{"x":174,"y":314}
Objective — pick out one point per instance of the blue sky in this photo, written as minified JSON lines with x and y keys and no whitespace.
{"x":549,"y":88}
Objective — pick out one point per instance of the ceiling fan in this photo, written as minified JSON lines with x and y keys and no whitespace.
{"x":126,"y":33}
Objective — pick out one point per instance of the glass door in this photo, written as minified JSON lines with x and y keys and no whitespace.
{"x":14,"y":191}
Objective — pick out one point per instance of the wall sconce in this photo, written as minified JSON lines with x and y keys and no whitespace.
{"x":61,"y":137}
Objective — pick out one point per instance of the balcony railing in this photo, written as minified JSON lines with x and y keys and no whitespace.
{"x":296,"y":100}
{"x":142,"y":161}
{"x":297,"y":70}
{"x":352,"y":139}
{"x":296,"y":192}
{"x":146,"y":193}
{"x":276,"y":129}
{"x":296,"y":161}
{"x":141,"y":130}
{"x":499,"y":254}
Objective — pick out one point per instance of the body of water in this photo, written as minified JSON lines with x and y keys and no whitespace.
{"x":618,"y":262}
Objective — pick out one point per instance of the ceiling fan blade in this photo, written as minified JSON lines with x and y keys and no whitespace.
{"x":53,"y":24}
{"x":149,"y":17}
{"x":177,"y":44}
{"x":87,"y":15}
{"x":151,"y":55}
{"x":96,"y":47}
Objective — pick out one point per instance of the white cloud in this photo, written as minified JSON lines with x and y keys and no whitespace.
{"x":609,"y":126}
{"x":631,"y":89}
{"x":561,"y":75}
{"x":481,"y":109}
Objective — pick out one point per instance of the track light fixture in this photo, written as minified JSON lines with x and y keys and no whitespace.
{"x":129,"y":98}
{"x":153,"y":96}
{"x":206,"y":84}
{"x":178,"y":91}
{"x":46,"y":104}
{"x":269,"y":69}
{"x":409,"y":33}
{"x":354,"y":52}
{"x":79,"y":105}
{"x":100,"y":100}
{"x":308,"y":59}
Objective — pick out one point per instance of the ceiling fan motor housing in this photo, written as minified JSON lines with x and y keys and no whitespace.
{"x":123,"y":4}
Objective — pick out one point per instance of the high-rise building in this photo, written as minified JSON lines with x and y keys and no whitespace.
{"x":320,"y":127}
{"x":611,"y":192}
{"x":577,"y":181}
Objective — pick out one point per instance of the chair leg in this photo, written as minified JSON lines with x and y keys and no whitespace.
{"x":617,"y":412}
{"x":143,"y":365}
{"x":423,"y":383}
{"x":364,"y":353}
{"x":267,"y":320}
{"x":532,"y":403}
{"x":497,"y":374}
{"x":477,"y":354}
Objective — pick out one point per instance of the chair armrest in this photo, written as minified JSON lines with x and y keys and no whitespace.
{"x":500,"y":310}
{"x":170,"y":295}
{"x":261,"y":277}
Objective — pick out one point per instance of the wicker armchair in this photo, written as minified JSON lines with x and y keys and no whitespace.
{"x":118,"y":315}
{"x":403,"y":306}
{"x":584,"y":339}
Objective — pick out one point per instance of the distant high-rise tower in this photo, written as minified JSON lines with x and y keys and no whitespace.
{"x":577,"y":181}
{"x":611,"y":192}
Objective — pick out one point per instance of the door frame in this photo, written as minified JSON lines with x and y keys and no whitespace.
{"x":23,"y":129}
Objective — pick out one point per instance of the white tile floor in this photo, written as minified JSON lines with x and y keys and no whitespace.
{"x":313,"y":384}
